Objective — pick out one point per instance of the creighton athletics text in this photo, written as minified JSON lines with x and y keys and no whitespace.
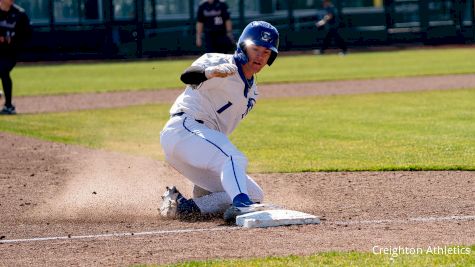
{"x":435,"y":250}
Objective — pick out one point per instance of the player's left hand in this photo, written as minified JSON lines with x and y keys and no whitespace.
{"x":221,"y":71}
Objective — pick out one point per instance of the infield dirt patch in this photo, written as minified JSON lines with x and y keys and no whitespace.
{"x":71,"y":102}
{"x":55,"y":190}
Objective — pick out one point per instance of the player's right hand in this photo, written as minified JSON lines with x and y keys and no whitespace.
{"x":221,"y":71}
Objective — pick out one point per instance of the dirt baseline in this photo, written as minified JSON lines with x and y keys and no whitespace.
{"x":80,"y":197}
{"x":71,"y":102}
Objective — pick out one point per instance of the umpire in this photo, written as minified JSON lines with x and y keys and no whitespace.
{"x":14,"y":31}
{"x":215,"y":22}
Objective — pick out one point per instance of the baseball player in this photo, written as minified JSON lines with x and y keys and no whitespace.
{"x":220,"y":92}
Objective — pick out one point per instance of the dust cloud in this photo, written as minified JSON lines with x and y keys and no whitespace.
{"x":106,"y":186}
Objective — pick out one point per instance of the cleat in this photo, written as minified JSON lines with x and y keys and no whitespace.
{"x":10,"y":110}
{"x":175,"y":206}
{"x":170,"y":203}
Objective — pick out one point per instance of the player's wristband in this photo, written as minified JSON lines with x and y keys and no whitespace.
{"x":193,"y":75}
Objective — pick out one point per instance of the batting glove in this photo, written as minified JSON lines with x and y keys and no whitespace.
{"x":221,"y":71}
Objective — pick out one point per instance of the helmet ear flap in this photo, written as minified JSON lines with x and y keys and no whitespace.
{"x":272,"y":57}
{"x":240,"y":55}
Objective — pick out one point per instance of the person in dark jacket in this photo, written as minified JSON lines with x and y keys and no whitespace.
{"x":15,"y":30}
{"x":214,"y":22}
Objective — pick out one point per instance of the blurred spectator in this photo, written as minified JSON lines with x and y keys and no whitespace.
{"x":213,"y":19}
{"x":15,"y":30}
{"x":331,"y":24}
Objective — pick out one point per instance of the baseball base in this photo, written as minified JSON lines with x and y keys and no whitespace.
{"x":276,"y":217}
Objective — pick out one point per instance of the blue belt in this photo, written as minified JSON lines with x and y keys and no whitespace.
{"x":179,"y":114}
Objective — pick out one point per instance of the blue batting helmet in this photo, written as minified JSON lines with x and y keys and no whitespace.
{"x":260,"y":33}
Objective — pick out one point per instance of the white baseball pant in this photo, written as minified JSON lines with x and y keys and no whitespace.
{"x":209,"y":160}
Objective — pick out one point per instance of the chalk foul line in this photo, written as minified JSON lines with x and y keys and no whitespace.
{"x":230,"y":228}
{"x":411,"y":220}
{"x":162,"y":232}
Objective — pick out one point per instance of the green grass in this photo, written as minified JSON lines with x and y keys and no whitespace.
{"x":371,"y":65}
{"x":392,"y":131}
{"x":397,"y":131}
{"x":97,"y":77}
{"x":134,"y":130}
{"x":349,"y":259}
{"x":145,"y":75}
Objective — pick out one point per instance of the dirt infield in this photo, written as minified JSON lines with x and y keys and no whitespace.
{"x":69,"y":205}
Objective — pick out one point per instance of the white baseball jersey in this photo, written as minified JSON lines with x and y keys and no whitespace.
{"x":221,"y":103}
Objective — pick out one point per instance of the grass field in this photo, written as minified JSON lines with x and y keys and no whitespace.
{"x":397,"y":131}
{"x":121,"y":76}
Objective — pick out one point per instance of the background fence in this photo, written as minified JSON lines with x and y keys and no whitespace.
{"x":82,"y":29}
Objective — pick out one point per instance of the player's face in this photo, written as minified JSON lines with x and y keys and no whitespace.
{"x":258,"y":57}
